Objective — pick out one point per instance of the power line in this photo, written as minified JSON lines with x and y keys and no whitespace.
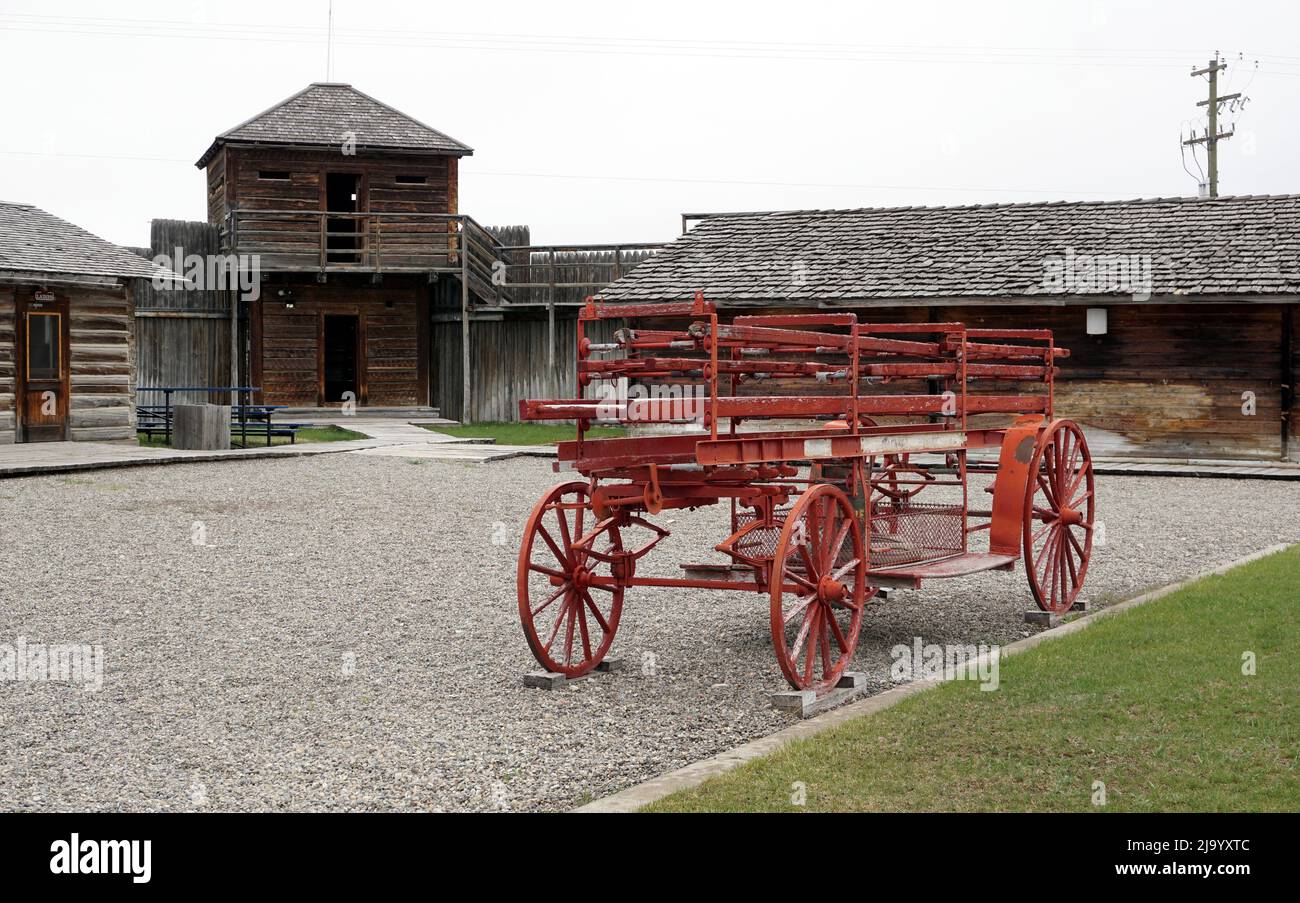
{"x":762,"y":50}
{"x":470,"y":173}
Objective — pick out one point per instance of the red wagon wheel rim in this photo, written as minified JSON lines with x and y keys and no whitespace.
{"x":818,"y":589}
{"x":1060,"y":511}
{"x":569,"y":618}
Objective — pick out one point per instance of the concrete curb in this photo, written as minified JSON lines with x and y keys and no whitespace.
{"x":633,"y":798}
{"x":192,"y":457}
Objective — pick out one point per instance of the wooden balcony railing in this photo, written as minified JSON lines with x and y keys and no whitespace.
{"x":521,"y":275}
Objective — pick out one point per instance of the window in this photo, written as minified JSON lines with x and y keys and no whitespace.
{"x":411,"y":180}
{"x":273,"y":175}
{"x":43,"y":346}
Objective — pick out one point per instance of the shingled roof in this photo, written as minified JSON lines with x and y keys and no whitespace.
{"x":1247,"y":245}
{"x":33,"y":241}
{"x":324,"y":113}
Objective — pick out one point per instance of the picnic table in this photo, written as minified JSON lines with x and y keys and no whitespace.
{"x":246,"y":418}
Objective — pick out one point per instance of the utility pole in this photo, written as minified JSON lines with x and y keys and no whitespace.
{"x":1212,"y":135}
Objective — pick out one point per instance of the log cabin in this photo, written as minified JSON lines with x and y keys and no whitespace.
{"x":66,"y":332}
{"x":1180,"y":313}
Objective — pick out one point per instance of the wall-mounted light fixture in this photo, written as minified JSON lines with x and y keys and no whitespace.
{"x":1096,"y":321}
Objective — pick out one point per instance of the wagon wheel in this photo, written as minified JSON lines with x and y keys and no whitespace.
{"x":818,"y":589}
{"x":568,"y":620}
{"x":1060,"y":506}
{"x":893,"y":466}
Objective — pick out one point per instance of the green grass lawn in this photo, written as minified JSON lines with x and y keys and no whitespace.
{"x":311,"y":434}
{"x":1153,"y":702}
{"x":526,"y":433}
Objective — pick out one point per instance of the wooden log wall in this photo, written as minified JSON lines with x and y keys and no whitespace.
{"x":294,"y":242}
{"x":101,"y":358}
{"x":8,"y":364}
{"x":1291,"y":317}
{"x":1176,"y":381}
{"x":182,"y":336}
{"x":1166,"y":380}
{"x":393,"y":365}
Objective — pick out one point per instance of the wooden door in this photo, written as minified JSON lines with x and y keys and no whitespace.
{"x":43,"y":376}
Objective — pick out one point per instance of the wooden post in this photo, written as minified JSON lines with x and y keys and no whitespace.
{"x":1288,"y":375}
{"x":234,"y":341}
{"x":466,"y":395}
{"x":550,"y":316}
{"x":202,"y":426}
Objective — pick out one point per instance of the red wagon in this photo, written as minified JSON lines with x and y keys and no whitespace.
{"x":821,"y":517}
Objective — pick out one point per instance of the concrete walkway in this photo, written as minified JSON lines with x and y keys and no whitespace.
{"x":385,"y":436}
{"x":410,"y":441}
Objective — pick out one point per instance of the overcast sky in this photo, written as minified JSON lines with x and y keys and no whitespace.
{"x":603,"y":121}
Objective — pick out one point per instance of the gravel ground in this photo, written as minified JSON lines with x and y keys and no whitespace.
{"x":347,"y":636}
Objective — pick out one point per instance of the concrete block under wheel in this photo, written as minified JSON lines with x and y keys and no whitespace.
{"x":1042,"y":618}
{"x":806,"y":703}
{"x":552,"y":680}
{"x":1080,"y":605}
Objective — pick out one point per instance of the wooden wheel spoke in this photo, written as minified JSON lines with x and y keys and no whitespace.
{"x":1075,"y":542}
{"x":1079,"y":477}
{"x":555,"y":595}
{"x":801,"y":580}
{"x":568,"y":633}
{"x":809,"y":567}
{"x":824,"y":641}
{"x":564,"y":527}
{"x":1042,"y":530}
{"x":839,"y":572}
{"x":800,"y":637}
{"x":1049,"y":549}
{"x":836,"y":546}
{"x":1069,"y":560}
{"x":559,"y":619}
{"x":1044,"y":483}
{"x":810,"y":659}
{"x":549,"y":572}
{"x":802,"y":605}
{"x":582,"y":626}
{"x":832,"y":536}
{"x":600,"y":618}
{"x":555,"y":549}
{"x":839,"y":633}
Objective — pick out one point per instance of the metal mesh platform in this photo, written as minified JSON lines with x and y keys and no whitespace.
{"x":906,"y":532}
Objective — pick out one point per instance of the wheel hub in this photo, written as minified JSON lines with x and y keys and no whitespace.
{"x":831,"y":591}
{"x":1071,"y":516}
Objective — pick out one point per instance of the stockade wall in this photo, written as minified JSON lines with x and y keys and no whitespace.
{"x":182,"y":337}
{"x":510,"y":359}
